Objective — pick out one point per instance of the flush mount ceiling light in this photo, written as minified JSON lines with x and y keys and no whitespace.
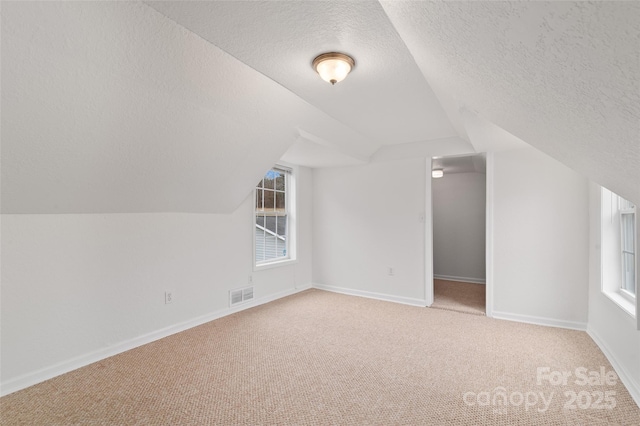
{"x":333,"y":67}
{"x":437,"y":173}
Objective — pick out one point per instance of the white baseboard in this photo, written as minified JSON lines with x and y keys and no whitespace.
{"x":627,"y":379}
{"x":30,"y":379}
{"x":460,"y":279}
{"x":372,"y":295}
{"x":302,"y":287}
{"x":549,"y":322}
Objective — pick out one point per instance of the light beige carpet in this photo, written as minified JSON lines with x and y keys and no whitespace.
{"x":318,"y":358}
{"x":460,"y":297}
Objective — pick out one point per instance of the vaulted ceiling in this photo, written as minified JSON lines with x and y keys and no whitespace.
{"x":182,"y":106}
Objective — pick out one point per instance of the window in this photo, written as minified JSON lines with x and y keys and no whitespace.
{"x":619,"y":248}
{"x":274,"y":217}
{"x":628,"y":247}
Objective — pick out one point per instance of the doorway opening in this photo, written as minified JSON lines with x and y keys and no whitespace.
{"x":459,"y":209}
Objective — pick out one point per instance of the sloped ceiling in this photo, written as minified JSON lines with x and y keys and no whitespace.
{"x":385,"y":98}
{"x":561,"y":76}
{"x":112,"y":107}
{"x":182,"y":106}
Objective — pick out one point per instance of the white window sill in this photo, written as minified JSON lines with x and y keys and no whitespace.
{"x":622,"y":302}
{"x":274,"y":264}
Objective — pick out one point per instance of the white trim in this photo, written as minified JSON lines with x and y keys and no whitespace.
{"x":428,"y":234}
{"x":292,"y":225}
{"x":30,"y":379}
{"x":489,"y":232}
{"x":629,"y":296}
{"x":612,"y":288}
{"x":637,"y":307}
{"x":460,"y":279}
{"x":300,"y":288}
{"x":283,"y":169}
{"x":547,"y":322}
{"x":274,"y":264}
{"x":262,"y":228}
{"x":371,"y":295}
{"x":621,"y":301}
{"x":627,"y":379}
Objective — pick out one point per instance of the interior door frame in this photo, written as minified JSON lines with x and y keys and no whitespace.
{"x":428,"y":234}
{"x":489,"y":234}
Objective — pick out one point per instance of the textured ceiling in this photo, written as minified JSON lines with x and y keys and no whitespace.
{"x":486,"y":136}
{"x":112,"y":107}
{"x":562,"y":76}
{"x":182,"y":106}
{"x":385,"y":98}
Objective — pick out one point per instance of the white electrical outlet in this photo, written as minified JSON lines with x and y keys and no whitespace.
{"x":250,"y":279}
{"x":390,"y":270}
{"x":168,"y":297}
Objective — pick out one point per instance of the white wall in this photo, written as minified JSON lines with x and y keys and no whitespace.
{"x":459,"y":206}
{"x":613,"y":329}
{"x":540,"y":240}
{"x":75,"y":287}
{"x":365,"y":220}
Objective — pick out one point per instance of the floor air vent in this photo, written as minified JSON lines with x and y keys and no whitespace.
{"x":240,"y":295}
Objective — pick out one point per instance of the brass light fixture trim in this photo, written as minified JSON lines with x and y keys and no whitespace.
{"x":333,"y":67}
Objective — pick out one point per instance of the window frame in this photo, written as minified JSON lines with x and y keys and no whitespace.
{"x":629,"y":211}
{"x":290,"y":173}
{"x":611,"y":253}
